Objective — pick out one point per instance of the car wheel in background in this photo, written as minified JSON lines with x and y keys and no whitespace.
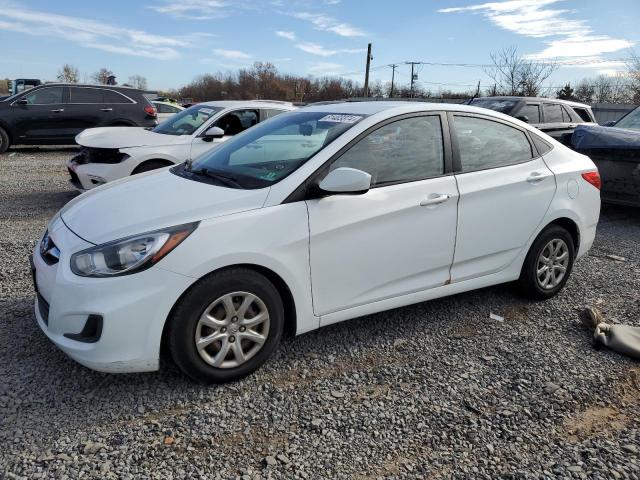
{"x":150,"y":165}
{"x":226,"y":326}
{"x":548,"y":264}
{"x":4,"y":141}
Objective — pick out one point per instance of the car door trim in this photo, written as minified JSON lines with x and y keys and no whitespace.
{"x":302,"y":191}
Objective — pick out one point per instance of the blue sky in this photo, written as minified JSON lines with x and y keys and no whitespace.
{"x":171,"y":42}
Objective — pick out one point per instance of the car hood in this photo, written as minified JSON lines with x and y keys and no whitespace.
{"x":124,"y":137}
{"x":151,"y":201}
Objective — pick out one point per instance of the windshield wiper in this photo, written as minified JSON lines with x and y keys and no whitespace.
{"x":227,"y":180}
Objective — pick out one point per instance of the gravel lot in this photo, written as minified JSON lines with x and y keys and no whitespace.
{"x":435,"y":390}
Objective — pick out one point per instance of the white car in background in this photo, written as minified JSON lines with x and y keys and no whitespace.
{"x":166,"y":109}
{"x":319,"y":215}
{"x":111,"y":153}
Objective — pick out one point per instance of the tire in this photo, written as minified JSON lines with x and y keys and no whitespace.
{"x":150,"y":165}
{"x":225,"y":322}
{"x":550,"y":281}
{"x":4,"y":141}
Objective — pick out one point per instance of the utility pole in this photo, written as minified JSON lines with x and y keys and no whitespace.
{"x":413,"y":77}
{"x":366,"y":75}
{"x":393,"y":75}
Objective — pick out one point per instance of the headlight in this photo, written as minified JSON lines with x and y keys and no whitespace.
{"x":131,"y":254}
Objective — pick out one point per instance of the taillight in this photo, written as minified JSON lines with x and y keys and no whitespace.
{"x":151,"y":111}
{"x":593,"y":178}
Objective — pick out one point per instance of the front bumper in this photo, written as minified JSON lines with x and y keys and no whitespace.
{"x":133,"y":309}
{"x":85,"y":176}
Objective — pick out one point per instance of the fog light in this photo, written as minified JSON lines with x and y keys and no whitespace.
{"x":97,"y":180}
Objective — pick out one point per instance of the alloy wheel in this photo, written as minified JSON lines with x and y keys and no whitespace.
{"x":232,"y":329}
{"x":552,"y":264}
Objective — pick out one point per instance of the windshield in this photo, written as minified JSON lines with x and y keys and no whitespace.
{"x":631,"y":120}
{"x":187,"y":121}
{"x":268,"y":152}
{"x":498,"y":104}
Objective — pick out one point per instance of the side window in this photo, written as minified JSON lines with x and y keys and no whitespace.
{"x":487,"y":144}
{"x":531,"y":111}
{"x":237,"y":121}
{"x":552,"y":113}
{"x":162,"y":108}
{"x":45,"y":96}
{"x":267,"y":113}
{"x":566,"y":116}
{"x":403,"y":151}
{"x":584,"y":115}
{"x":111,"y":96}
{"x":85,"y":95}
{"x":542,"y":146}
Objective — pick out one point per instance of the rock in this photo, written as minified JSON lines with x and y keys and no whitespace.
{"x":398,"y":342}
{"x":496,"y":317}
{"x":337,"y":394}
{"x":270,"y":460}
{"x":551,"y":387}
{"x":316,"y":422}
{"x":169,"y":440}
{"x":575,"y":468}
{"x":616,"y":258}
{"x":283,"y":458}
{"x":91,"y":448}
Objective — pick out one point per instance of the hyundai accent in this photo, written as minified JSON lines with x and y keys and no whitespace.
{"x":312,"y":217}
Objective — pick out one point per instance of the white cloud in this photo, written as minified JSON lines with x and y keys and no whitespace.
{"x":232,"y":54}
{"x":565,"y":37}
{"x":315,"y":49}
{"x":325,"y":69}
{"x":193,"y":9}
{"x":329,"y":24}
{"x":93,"y":34}
{"x":287,"y":35}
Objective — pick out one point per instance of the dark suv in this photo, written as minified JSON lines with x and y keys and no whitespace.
{"x":55,"y":113}
{"x":557,"y":118}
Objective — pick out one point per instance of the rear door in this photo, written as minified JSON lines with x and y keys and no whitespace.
{"x":85,"y":109}
{"x":505,"y":191}
{"x":42,"y":118}
{"x":557,"y":121}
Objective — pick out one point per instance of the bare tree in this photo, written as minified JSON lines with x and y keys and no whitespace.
{"x":102,"y":76}
{"x":138,"y":81}
{"x":516,"y":75}
{"x":634,"y":77}
{"x":68,"y":74}
{"x":584,"y":92}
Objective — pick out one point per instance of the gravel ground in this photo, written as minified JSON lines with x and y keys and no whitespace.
{"x":435,"y":390}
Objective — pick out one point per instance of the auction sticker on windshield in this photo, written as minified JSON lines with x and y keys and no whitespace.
{"x":340,"y":118}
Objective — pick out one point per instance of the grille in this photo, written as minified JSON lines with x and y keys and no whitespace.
{"x":101,"y":155}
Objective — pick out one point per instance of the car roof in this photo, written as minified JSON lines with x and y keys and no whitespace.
{"x":167,"y":103}
{"x":247,"y":104}
{"x":395,"y":107}
{"x":536,"y":99}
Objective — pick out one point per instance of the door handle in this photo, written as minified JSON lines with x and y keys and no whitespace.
{"x":58,"y":110}
{"x":106,"y":109}
{"x":536,"y":177}
{"x":435,"y":199}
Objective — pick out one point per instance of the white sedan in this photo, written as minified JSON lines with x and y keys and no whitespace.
{"x":111,"y":153}
{"x":316,"y":216}
{"x":166,"y":109}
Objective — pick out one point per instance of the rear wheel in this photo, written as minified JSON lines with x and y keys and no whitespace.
{"x":4,"y":141}
{"x":226,"y":326}
{"x":150,"y":165}
{"x":548,"y":264}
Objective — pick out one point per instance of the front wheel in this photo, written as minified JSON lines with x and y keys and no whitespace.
{"x":548,"y":264}
{"x":226,"y":326}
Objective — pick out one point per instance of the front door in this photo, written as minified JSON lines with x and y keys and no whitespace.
{"x":42,"y":118}
{"x":505,"y":191}
{"x":399,"y":237}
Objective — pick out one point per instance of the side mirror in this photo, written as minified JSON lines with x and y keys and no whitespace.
{"x":610,"y":123}
{"x":22,"y":101}
{"x":523,"y":118}
{"x":346,"y":180}
{"x":213,"y":132}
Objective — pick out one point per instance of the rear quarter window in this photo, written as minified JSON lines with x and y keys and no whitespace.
{"x":542,"y":146}
{"x":111,"y":96}
{"x":583,"y":114}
